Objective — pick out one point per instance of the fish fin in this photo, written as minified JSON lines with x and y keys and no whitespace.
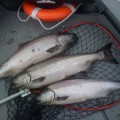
{"x":23,"y":44}
{"x":39,"y":80}
{"x":53,"y":49}
{"x":108,"y":54}
{"x":62,"y":98}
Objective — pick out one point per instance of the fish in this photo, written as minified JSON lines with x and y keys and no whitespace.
{"x":76,"y":90}
{"x":60,"y":68}
{"x":36,"y":51}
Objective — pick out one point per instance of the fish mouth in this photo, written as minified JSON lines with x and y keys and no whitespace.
{"x":16,"y":82}
{"x":44,"y":102}
{"x":67,"y":39}
{"x":15,"y":85}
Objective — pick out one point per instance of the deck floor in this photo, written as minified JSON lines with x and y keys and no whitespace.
{"x":13,"y":32}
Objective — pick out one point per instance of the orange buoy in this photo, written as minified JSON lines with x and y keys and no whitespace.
{"x":48,"y":15}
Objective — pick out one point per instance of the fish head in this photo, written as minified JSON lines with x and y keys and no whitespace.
{"x":67,"y":38}
{"x":22,"y":79}
{"x":46,"y":97}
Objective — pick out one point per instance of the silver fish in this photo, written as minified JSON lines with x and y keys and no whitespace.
{"x":36,"y":51}
{"x":78,"y":90}
{"x":56,"y":69}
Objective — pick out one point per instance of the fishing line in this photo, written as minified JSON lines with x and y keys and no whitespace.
{"x":18,"y":15}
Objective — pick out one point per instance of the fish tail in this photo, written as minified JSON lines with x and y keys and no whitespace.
{"x":108,"y":54}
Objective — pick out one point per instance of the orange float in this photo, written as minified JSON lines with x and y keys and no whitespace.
{"x":48,"y":15}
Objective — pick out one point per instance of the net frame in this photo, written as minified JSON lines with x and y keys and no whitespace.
{"x":97,"y":36}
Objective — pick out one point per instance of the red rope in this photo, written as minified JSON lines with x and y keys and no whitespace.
{"x":35,"y":91}
{"x":99,"y":26}
{"x":90,"y":109}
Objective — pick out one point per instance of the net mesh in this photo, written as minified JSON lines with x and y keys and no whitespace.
{"x":91,"y":38}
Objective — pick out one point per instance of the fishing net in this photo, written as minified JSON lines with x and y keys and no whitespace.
{"x":91,"y":38}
